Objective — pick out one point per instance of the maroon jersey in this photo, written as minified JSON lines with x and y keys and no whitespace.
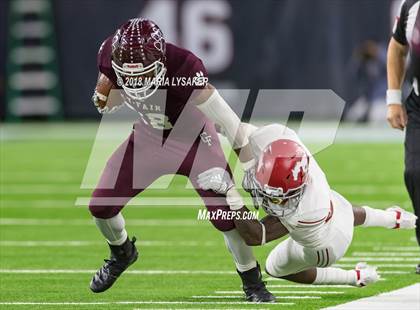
{"x":185,"y":73}
{"x":141,"y":159}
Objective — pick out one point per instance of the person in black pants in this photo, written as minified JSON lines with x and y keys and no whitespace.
{"x":405,"y":38}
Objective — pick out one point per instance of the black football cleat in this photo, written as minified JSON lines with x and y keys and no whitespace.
{"x":122,"y":256}
{"x":418,"y":269}
{"x":254,"y":287}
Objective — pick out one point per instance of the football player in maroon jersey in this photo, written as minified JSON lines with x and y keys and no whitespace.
{"x":136,"y":53}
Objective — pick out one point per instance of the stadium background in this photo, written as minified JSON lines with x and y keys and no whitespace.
{"x":244,"y":44}
{"x":49,"y":246}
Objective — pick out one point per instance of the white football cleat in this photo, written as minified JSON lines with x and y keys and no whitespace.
{"x":365,"y":274}
{"x":403,"y":219}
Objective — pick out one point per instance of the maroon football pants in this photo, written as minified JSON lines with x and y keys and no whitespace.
{"x":141,"y":159}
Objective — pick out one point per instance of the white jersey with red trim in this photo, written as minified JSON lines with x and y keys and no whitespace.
{"x":310,"y":224}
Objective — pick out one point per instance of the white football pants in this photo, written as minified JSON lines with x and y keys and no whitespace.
{"x":289,"y":257}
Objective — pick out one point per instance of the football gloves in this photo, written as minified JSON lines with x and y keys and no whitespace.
{"x":216,"y":179}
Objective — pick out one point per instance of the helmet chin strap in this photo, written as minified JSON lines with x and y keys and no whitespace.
{"x":278,"y":210}
{"x":283,"y":209}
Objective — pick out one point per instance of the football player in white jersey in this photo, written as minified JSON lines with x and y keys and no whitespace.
{"x":286,"y":181}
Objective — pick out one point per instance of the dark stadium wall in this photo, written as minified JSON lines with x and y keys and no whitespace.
{"x":289,"y":44}
{"x":3,"y":47}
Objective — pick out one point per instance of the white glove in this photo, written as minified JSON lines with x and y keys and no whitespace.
{"x":217,"y":179}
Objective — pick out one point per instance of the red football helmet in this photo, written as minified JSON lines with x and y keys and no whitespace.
{"x":138,"y":57}
{"x":280,"y":177}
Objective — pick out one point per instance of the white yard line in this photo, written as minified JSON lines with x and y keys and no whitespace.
{"x":81,"y":243}
{"x":351,"y":266}
{"x":387,"y":254}
{"x":70,"y":204}
{"x":238,"y":296}
{"x":407,"y":298}
{"x":176,"y":201}
{"x":378,"y":259}
{"x":88,"y":222}
{"x":29,"y":303}
{"x":397,"y":248}
{"x":308,"y":286}
{"x":142,"y":272}
{"x":64,"y":189}
{"x":286,"y":292}
{"x":37,"y":204}
{"x":137,"y":202}
{"x":288,"y":304}
{"x":347,"y":133}
{"x":405,"y":245}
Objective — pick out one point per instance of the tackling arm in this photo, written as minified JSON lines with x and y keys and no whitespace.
{"x":256,"y":232}
{"x":253,"y":232}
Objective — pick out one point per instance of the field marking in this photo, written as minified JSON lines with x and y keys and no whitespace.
{"x":142,"y":272}
{"x":407,"y":298}
{"x":387,"y":246}
{"x":83,"y":222}
{"x":64,"y":189}
{"x":69,"y":303}
{"x":137,"y":202}
{"x":81,"y":243}
{"x":377,"y":265}
{"x":398,"y":248}
{"x":286,"y":303}
{"x":398,"y":254}
{"x":347,"y":133}
{"x":238,"y":296}
{"x":70,"y":204}
{"x":287,"y":292}
{"x":378,"y":259}
{"x":308,"y":286}
{"x":37,"y":203}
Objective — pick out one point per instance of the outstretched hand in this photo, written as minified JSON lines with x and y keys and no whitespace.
{"x":216,"y":179}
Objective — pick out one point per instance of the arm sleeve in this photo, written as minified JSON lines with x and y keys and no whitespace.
{"x":399,"y":30}
{"x":218,"y":111}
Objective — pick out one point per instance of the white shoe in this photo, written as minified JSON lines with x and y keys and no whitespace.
{"x":365,"y":274}
{"x":403,"y":219}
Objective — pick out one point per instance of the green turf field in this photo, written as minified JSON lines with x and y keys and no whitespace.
{"x":49,"y":248}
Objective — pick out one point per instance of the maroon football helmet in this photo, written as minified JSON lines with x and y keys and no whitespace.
{"x":280,"y":177}
{"x":138,"y":57}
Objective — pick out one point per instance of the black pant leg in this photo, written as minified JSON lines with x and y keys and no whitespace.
{"x":412,"y":155}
